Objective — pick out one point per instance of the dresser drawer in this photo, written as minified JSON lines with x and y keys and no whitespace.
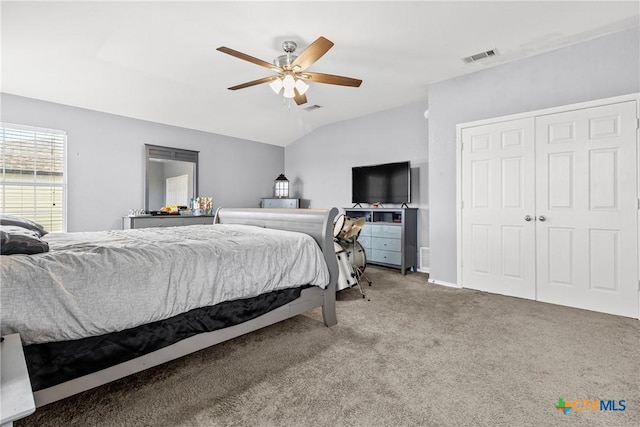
{"x":366,"y":230}
{"x":156,"y":222}
{"x":198,"y":220}
{"x":280,"y":203}
{"x":365,"y":241}
{"x":387,"y":257}
{"x":386,"y":244}
{"x":391,"y":231}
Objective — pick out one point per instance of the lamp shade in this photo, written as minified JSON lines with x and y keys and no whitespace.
{"x":276,"y":85}
{"x":281,"y":187}
{"x":288,"y":82}
{"x":289,"y":93}
{"x":301,"y":86}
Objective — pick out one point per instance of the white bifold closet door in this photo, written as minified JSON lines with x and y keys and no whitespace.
{"x":550,"y":208}
{"x":498,"y":181}
{"x":586,"y":193}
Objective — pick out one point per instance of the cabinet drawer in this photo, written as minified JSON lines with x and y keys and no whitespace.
{"x":365,"y":241}
{"x":385,"y":244}
{"x":387,"y":257}
{"x":197,"y":221}
{"x":280,"y":203}
{"x":392,"y":231}
{"x":156,"y":222}
{"x":170,"y":222}
{"x":366,"y":230}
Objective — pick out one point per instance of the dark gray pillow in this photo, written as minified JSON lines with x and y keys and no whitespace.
{"x":22,"y":222}
{"x":17,"y":240}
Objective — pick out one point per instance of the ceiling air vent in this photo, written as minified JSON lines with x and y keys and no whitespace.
{"x":312,"y":107}
{"x":479,"y":56}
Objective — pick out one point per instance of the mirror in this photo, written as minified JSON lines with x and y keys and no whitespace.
{"x":171,"y":177}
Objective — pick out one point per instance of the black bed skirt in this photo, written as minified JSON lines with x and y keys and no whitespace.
{"x":53,"y":363}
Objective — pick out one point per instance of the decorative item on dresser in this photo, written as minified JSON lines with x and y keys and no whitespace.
{"x":280,"y":197}
{"x":281,"y":187}
{"x":389,"y":236}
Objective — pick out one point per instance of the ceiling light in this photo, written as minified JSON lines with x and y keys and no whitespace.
{"x":289,"y":93}
{"x":301,"y":86}
{"x":288,"y":82}
{"x":276,"y":85}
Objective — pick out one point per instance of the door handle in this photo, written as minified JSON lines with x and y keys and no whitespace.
{"x":527,"y":218}
{"x":542,"y":218}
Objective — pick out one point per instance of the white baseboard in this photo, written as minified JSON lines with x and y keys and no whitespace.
{"x":443,"y":283}
{"x":423,"y":270}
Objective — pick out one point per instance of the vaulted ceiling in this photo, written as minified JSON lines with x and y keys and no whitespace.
{"x":157,"y":60}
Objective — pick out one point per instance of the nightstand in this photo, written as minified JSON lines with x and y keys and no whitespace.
{"x":15,"y":388}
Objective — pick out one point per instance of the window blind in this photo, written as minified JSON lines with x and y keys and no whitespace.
{"x":32,"y":184}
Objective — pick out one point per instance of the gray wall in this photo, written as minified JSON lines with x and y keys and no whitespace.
{"x":599,"y":68}
{"x":319,"y":164}
{"x":106,"y":157}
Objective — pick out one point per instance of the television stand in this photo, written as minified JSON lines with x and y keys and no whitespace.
{"x":404,"y":205}
{"x":389,"y":236}
{"x":357,"y":205}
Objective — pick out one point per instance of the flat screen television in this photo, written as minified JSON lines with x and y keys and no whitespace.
{"x":386,"y":183}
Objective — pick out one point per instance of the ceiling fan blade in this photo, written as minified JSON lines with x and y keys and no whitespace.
{"x":300,"y":98}
{"x":331,"y":79}
{"x":249,"y":58}
{"x":253,"y":83}
{"x":312,"y":53}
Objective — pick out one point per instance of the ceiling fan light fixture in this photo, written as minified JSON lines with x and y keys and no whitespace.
{"x":289,"y":93}
{"x":301,"y":86}
{"x":289,"y":82}
{"x":276,"y":85}
{"x":290,"y":70}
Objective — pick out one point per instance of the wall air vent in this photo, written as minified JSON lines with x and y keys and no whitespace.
{"x":424,"y":260}
{"x":312,"y":107}
{"x":479,"y":56}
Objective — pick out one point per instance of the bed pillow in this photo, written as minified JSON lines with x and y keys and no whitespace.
{"x":17,"y":240}
{"x":22,"y":222}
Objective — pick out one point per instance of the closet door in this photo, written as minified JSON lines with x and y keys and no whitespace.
{"x":498,"y":196}
{"x":586,"y":228}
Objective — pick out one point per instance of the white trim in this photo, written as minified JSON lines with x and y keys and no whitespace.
{"x":459,"y":128}
{"x":443,"y":283}
{"x":638,"y":194}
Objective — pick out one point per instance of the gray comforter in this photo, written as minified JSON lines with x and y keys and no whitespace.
{"x":94,"y":283}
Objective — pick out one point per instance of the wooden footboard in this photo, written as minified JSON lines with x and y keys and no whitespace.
{"x":316,"y":223}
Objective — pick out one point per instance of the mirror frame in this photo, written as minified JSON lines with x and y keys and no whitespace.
{"x":168,"y":153}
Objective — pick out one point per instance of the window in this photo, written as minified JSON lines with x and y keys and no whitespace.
{"x":32,"y":184}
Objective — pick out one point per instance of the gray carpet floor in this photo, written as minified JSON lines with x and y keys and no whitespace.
{"x":415,"y":355}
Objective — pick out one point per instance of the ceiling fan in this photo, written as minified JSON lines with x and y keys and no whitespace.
{"x":291,"y":75}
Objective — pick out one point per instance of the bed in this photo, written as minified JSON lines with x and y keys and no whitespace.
{"x":100,"y":306}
